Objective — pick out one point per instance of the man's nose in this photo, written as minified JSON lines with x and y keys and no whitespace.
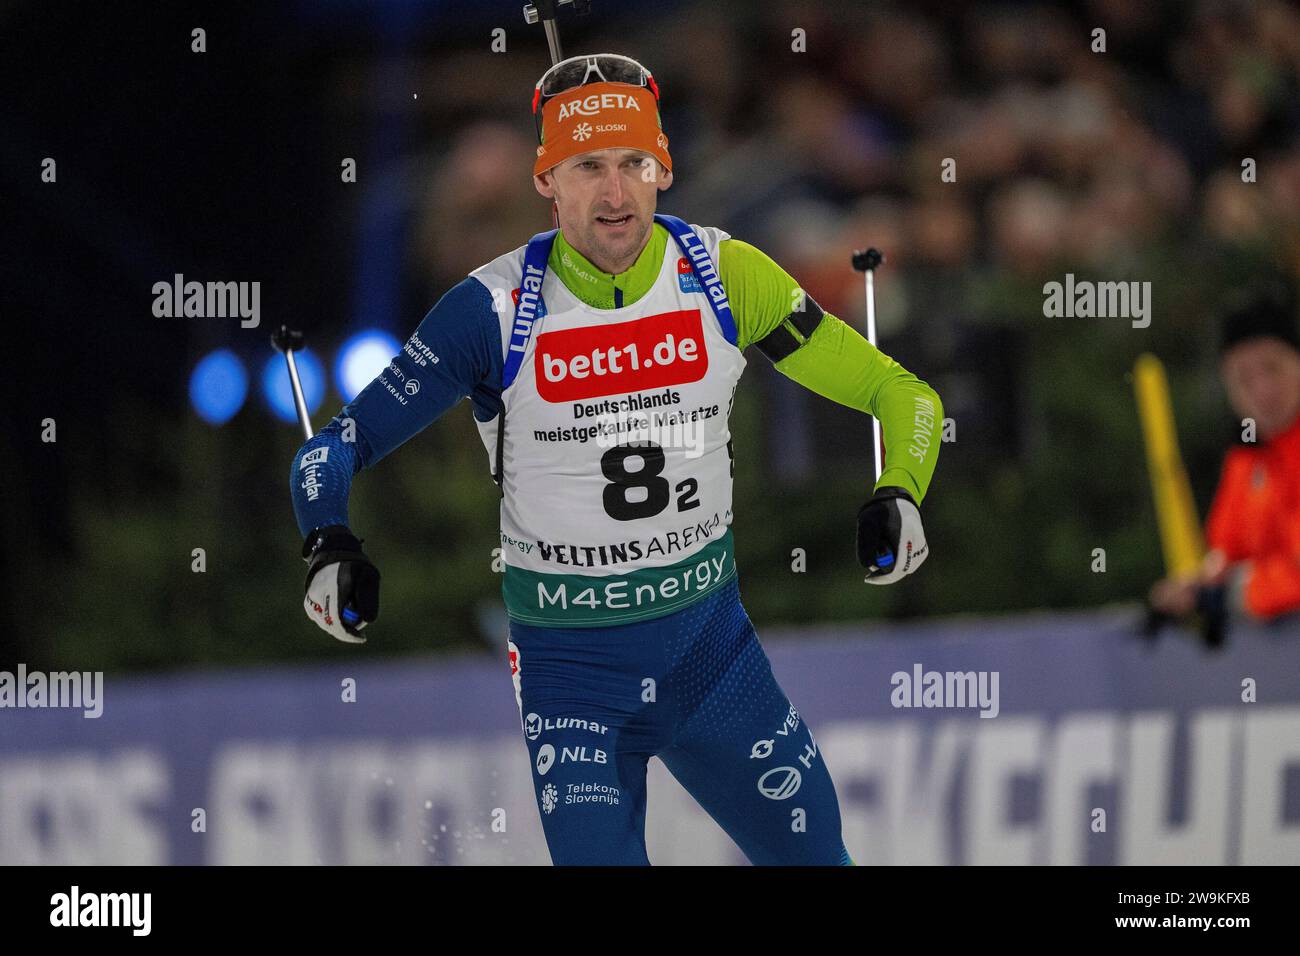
{"x":612,"y":189}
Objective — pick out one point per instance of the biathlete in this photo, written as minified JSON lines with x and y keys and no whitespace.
{"x":601,"y":360}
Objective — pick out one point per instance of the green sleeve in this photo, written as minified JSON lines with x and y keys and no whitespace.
{"x":838,"y":363}
{"x":761,"y":293}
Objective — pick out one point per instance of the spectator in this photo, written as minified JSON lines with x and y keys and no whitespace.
{"x":1253,"y":529}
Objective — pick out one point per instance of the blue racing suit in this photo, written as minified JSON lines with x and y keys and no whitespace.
{"x":695,"y":689}
{"x":692,"y":687}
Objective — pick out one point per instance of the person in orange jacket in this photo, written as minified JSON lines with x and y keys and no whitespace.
{"x":1253,"y":528}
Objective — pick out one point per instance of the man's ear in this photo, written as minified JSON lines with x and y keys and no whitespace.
{"x":666,"y":179}
{"x":545,"y":184}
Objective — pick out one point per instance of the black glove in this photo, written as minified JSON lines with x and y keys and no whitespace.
{"x":1210,"y":618}
{"x":891,"y":539}
{"x":342,"y":584}
{"x":1212,"y":615}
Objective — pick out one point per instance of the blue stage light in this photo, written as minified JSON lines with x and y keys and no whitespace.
{"x":361,"y":358}
{"x":277,"y":391}
{"x":218,"y":386}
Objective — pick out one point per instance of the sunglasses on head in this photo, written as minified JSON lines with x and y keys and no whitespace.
{"x":580,"y":70}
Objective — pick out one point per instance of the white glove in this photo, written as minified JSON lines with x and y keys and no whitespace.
{"x":322,"y":604}
{"x":342,"y":585}
{"x":891,"y":539}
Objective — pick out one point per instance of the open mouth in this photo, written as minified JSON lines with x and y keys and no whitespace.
{"x":614,"y":220}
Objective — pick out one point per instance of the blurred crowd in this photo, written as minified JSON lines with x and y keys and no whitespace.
{"x":1068,"y":147}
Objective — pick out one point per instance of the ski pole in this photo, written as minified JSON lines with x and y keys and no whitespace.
{"x":545,"y":11}
{"x":288,"y":341}
{"x":867,"y":261}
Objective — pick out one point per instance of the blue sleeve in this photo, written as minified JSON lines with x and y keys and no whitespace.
{"x":455,"y":352}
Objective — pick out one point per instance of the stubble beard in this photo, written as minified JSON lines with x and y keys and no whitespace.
{"x":621,"y":252}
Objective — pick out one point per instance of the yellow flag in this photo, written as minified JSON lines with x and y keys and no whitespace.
{"x":1180,"y":528}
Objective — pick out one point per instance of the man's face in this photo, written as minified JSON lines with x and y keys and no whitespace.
{"x":606,"y":201}
{"x":1262,"y":376}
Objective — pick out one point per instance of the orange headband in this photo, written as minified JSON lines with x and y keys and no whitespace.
{"x":600,"y":116}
